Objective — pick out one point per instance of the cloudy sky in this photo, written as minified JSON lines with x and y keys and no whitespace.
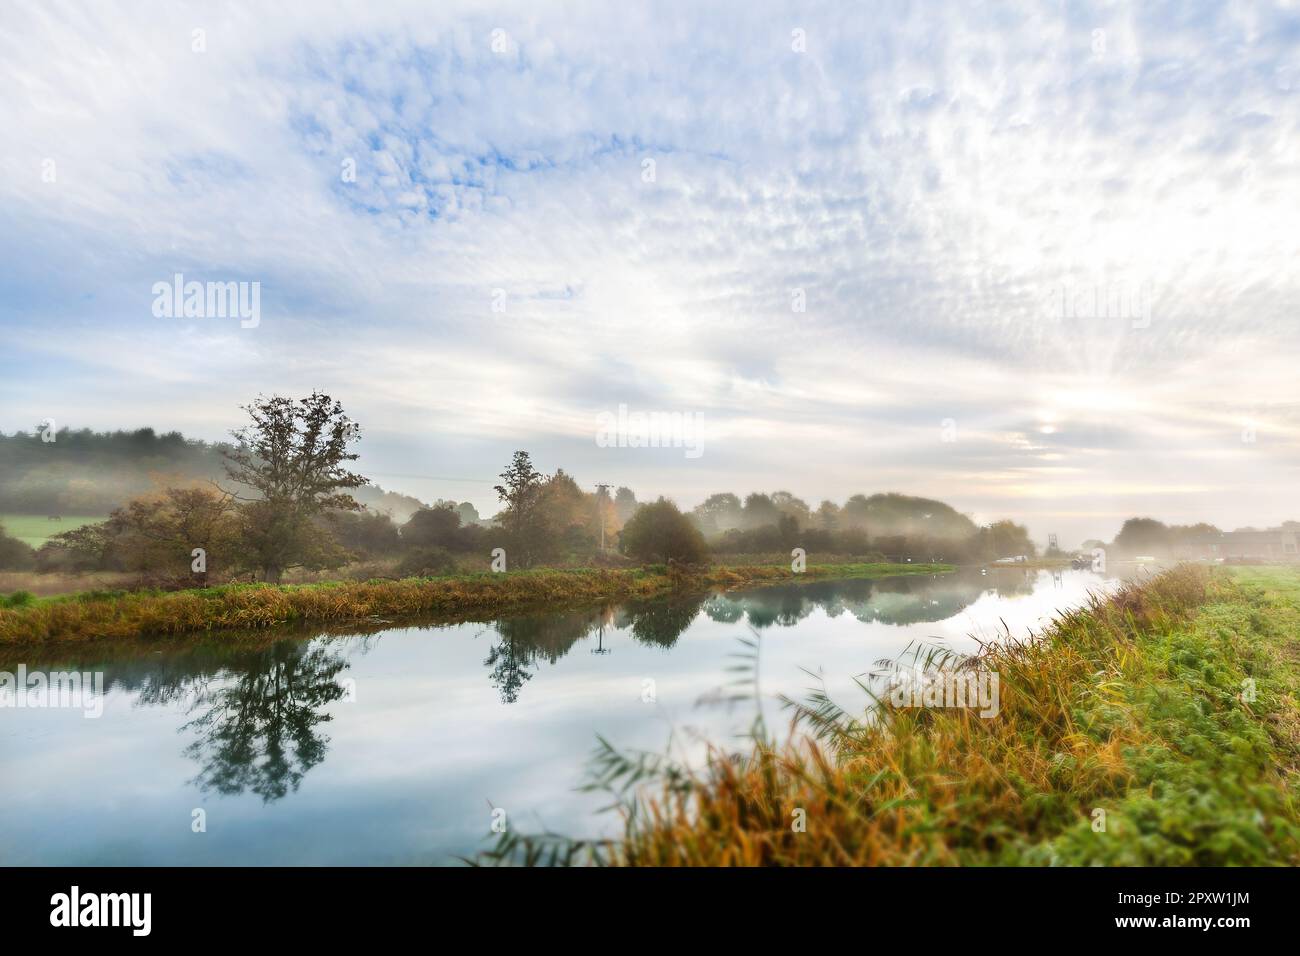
{"x":1037,"y":259}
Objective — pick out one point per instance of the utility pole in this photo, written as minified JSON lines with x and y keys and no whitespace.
{"x":602,"y":491}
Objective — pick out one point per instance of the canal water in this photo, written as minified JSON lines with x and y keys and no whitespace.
{"x":397,"y":745}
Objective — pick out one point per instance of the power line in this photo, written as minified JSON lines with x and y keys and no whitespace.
{"x":392,"y":474}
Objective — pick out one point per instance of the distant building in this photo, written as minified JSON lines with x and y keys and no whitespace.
{"x":1272,"y":544}
{"x":1201,"y":547}
{"x":1248,"y":544}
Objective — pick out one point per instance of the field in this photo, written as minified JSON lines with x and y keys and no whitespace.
{"x":35,"y":530}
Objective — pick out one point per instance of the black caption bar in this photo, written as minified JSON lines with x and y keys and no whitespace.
{"x":136,"y":906}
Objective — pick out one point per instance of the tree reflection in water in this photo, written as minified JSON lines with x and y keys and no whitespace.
{"x":891,"y":601}
{"x":660,"y":623}
{"x":255,"y":708}
{"x":258,"y":712}
{"x":258,"y":732}
{"x":524,"y":641}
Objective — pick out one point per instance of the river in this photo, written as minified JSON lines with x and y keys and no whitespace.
{"x":396,"y":746}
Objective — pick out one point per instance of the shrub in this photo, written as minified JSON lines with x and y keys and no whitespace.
{"x":426,"y":562}
{"x":15,"y":555}
{"x":659,"y":532}
{"x":440,"y":527}
{"x":364,"y":534}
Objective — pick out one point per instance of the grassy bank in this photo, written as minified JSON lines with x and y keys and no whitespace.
{"x":1126,"y":736}
{"x":97,"y":616}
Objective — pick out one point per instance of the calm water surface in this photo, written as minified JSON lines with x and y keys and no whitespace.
{"x":392,"y":747}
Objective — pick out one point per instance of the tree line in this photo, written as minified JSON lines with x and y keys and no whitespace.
{"x":288,"y":499}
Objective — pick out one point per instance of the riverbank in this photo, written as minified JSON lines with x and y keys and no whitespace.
{"x":1157,"y":727}
{"x":121,"y":615}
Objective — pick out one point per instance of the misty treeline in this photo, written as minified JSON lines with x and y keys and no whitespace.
{"x":891,"y":526}
{"x":63,"y":471}
{"x":83,"y":472}
{"x":286,"y":499}
{"x":1148,"y":536}
{"x":283,"y":496}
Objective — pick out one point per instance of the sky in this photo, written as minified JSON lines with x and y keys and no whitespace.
{"x":1034,"y":259}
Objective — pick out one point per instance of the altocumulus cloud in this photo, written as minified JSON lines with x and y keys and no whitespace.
{"x":959,"y":195}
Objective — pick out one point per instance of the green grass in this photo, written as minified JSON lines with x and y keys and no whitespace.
{"x":35,"y":530}
{"x":113,"y":615}
{"x":1129,"y":734}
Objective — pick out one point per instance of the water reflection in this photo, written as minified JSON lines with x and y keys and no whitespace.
{"x":659,"y":623}
{"x":897,"y":601}
{"x":446,"y":717}
{"x":521,"y":643}
{"x":254,"y":712}
{"x":259,"y":732}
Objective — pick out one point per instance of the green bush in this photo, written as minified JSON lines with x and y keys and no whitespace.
{"x":427,"y":562}
{"x":15,"y":555}
{"x":658,"y":532}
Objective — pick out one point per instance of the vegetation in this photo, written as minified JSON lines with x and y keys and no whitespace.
{"x":1148,"y":536}
{"x":279,"y":498}
{"x":46,"y":472}
{"x":82,"y":475}
{"x":125,"y":614}
{"x":881,"y":514}
{"x":1159,"y":727}
{"x":290,"y":505}
{"x":294,"y":457}
{"x":17,"y":599}
{"x":901,"y":527}
{"x":15,"y":555}
{"x":660,"y":533}
{"x":163,"y":531}
{"x":523,"y":520}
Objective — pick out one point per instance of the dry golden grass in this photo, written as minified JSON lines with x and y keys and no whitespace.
{"x":117,"y":615}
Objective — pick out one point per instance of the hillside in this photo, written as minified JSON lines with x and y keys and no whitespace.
{"x":84,"y":472}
